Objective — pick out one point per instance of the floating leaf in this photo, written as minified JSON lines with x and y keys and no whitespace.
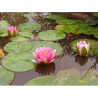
{"x":68,"y":77}
{"x":51,"y":35}
{"x":93,"y":46}
{"x":28,"y":27}
{"x":67,"y":28}
{"x":95,"y":14}
{"x":26,"y":34}
{"x":4,"y":24}
{"x":69,"y":21}
{"x":19,"y":62}
{"x":95,"y":31}
{"x":42,"y":80}
{"x":38,"y":44}
{"x":18,"y":38}
{"x":57,"y":16}
{"x":18,"y":47}
{"x":6,"y":75}
{"x":92,"y":21}
{"x":30,"y":15}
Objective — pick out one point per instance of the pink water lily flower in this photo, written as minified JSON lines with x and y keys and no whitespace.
{"x":11,"y":30}
{"x":44,"y":55}
{"x":82,"y":48}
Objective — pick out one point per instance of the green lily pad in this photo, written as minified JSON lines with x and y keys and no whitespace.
{"x":68,"y":77}
{"x":30,"y":15}
{"x":6,"y":75}
{"x":93,"y":46}
{"x":26,"y":34}
{"x":28,"y":27}
{"x":69,"y":21}
{"x":38,"y":44}
{"x":92,"y":21}
{"x":3,"y":34}
{"x":85,"y":29}
{"x":18,"y":47}
{"x":3,"y":83}
{"x":19,"y":38}
{"x":4,"y":24}
{"x":51,"y":35}
{"x":19,"y":62}
{"x":95,"y":14}
{"x":42,"y":80}
{"x":95,"y":31}
{"x":57,"y":16}
{"x":67,"y":28}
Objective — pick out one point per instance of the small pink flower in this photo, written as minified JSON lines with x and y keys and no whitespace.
{"x":11,"y":30}
{"x":82,"y":48}
{"x":44,"y":55}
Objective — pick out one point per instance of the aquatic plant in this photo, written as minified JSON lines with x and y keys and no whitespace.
{"x":44,"y":55}
{"x":2,"y":55}
{"x":12,"y":31}
{"x":82,"y":48}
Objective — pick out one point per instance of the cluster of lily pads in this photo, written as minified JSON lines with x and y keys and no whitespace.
{"x":20,"y":51}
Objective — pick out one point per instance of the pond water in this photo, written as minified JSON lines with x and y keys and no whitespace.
{"x":68,"y":60}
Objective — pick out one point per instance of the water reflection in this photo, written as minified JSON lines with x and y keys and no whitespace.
{"x":82,"y":60}
{"x":45,"y":69}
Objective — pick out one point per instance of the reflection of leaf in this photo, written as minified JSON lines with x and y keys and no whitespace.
{"x":93,"y":46}
{"x":42,"y":80}
{"x":51,"y":35}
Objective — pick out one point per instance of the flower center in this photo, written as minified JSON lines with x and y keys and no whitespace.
{"x":43,"y":53}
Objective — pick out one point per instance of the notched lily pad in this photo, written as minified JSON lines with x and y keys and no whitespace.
{"x":42,"y":80}
{"x":69,"y":21}
{"x":38,"y":44}
{"x":67,"y":28}
{"x":6,"y":75}
{"x":18,"y":47}
{"x":51,"y":35}
{"x":93,"y":46}
{"x":19,"y":62}
{"x":28,"y":27}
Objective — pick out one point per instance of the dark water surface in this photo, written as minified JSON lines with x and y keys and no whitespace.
{"x":68,"y":59}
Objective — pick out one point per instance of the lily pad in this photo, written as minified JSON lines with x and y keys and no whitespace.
{"x":51,"y":35}
{"x":3,"y":83}
{"x":42,"y":80}
{"x":68,"y":77}
{"x":95,"y":14}
{"x":38,"y":44}
{"x":95,"y":32}
{"x":85,"y":29}
{"x":30,"y":15}
{"x":18,"y":47}
{"x":93,"y":46}
{"x":19,"y":38}
{"x":6,"y":75}
{"x":69,"y":21}
{"x":92,"y":20}
{"x":19,"y":62}
{"x":67,"y":28}
{"x":4,"y":24}
{"x":28,"y":27}
{"x":57,"y":16}
{"x":26,"y":34}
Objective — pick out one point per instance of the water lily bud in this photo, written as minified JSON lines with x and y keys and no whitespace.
{"x":12,"y":31}
{"x":44,"y":55}
{"x":82,"y":48}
